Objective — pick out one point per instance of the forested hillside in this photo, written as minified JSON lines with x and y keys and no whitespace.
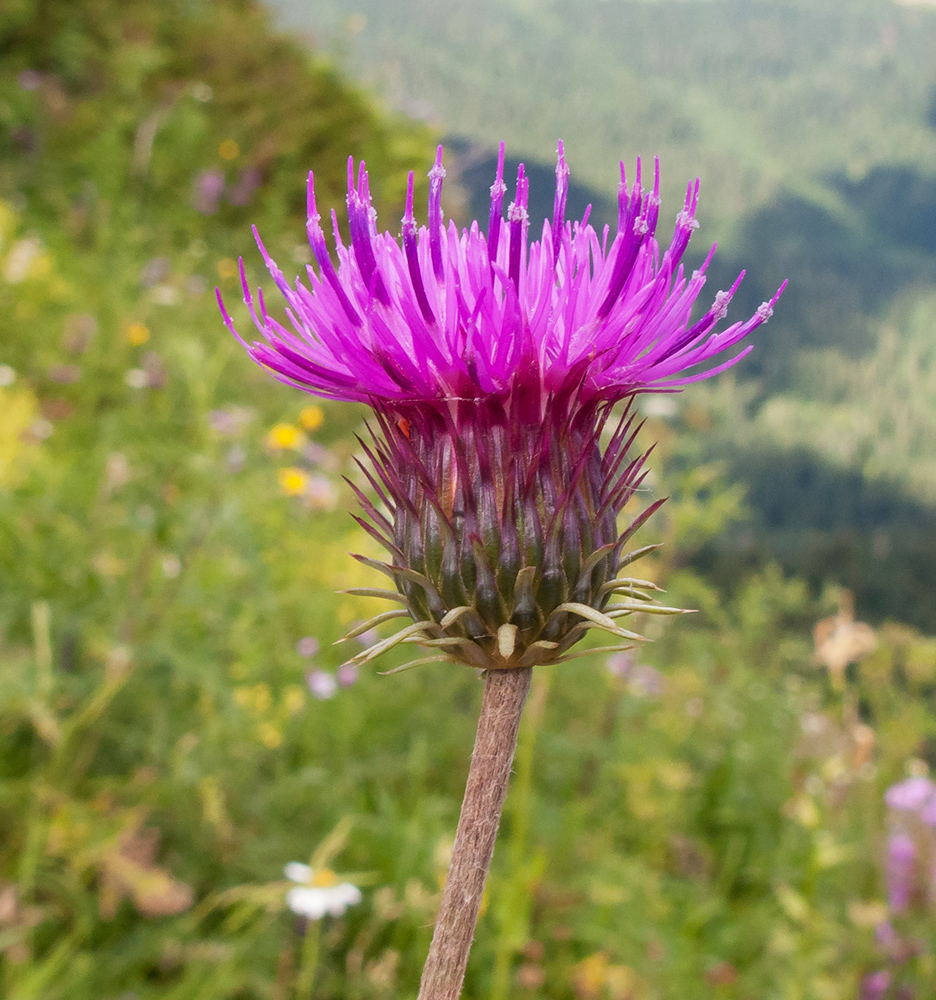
{"x":813,"y":128}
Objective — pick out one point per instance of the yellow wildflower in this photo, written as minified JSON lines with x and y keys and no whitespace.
{"x":228,"y":150}
{"x":293,"y":481}
{"x":293,"y":699}
{"x":137,"y":334}
{"x":270,"y":735}
{"x":311,"y":417}
{"x":227,"y":268}
{"x":257,"y":698}
{"x":283,"y":436}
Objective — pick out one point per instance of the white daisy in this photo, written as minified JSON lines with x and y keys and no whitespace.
{"x":318,"y":892}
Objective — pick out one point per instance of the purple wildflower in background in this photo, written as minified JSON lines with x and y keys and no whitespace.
{"x":911,"y":794}
{"x":208,"y":188}
{"x":347,"y":675}
{"x":910,"y":863}
{"x":901,"y":871}
{"x":621,"y":664}
{"x":308,"y":645}
{"x":493,"y":365}
{"x":321,"y":684}
{"x":245,"y":187}
{"x":29,"y":79}
{"x":875,"y":985}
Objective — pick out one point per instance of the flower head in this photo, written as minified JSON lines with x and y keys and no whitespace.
{"x":901,"y":871}
{"x":322,"y":684}
{"x":492,"y":364}
{"x":910,"y":862}
{"x":207,"y":191}
{"x":913,"y":793}
{"x":449,"y":316}
{"x":875,"y":985}
{"x":319,"y":892}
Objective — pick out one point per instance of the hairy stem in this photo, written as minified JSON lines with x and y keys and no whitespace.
{"x":505,"y":692}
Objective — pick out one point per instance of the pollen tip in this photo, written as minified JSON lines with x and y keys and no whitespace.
{"x":516,"y":212}
{"x":437,"y":172}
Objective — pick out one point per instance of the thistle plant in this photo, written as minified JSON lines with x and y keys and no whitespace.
{"x":499,"y":458}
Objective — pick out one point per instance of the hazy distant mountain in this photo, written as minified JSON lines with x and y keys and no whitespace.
{"x":813,"y":128}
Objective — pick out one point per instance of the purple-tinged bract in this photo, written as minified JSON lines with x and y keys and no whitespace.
{"x":492,"y":364}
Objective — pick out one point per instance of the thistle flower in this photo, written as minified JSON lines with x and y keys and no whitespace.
{"x":493,"y":365}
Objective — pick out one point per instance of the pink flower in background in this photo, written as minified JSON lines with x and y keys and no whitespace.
{"x":901,"y":871}
{"x":911,"y":845}
{"x":322,"y":684}
{"x":307,"y":646}
{"x":29,"y":79}
{"x":347,"y":675}
{"x":621,"y":664}
{"x":245,"y":187}
{"x":209,"y":186}
{"x":875,"y":985}
{"x":911,"y":794}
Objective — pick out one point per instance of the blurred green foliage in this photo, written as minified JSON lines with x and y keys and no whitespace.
{"x":703,"y":820}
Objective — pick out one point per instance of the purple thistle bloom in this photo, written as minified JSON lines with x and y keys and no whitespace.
{"x":492,"y":365}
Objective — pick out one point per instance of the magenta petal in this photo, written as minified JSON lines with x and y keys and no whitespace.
{"x":480,"y":316}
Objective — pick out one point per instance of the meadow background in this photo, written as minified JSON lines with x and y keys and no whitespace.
{"x":703,"y":820}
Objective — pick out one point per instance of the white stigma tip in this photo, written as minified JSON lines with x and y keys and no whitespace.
{"x":517,"y":213}
{"x":720,"y":306}
{"x":685,"y":220}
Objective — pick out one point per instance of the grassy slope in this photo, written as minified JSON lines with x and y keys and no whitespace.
{"x":155,"y":728}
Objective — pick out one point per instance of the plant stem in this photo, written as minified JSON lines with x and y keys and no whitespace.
{"x":514,"y":909}
{"x":308,"y":960}
{"x":505,"y":692}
